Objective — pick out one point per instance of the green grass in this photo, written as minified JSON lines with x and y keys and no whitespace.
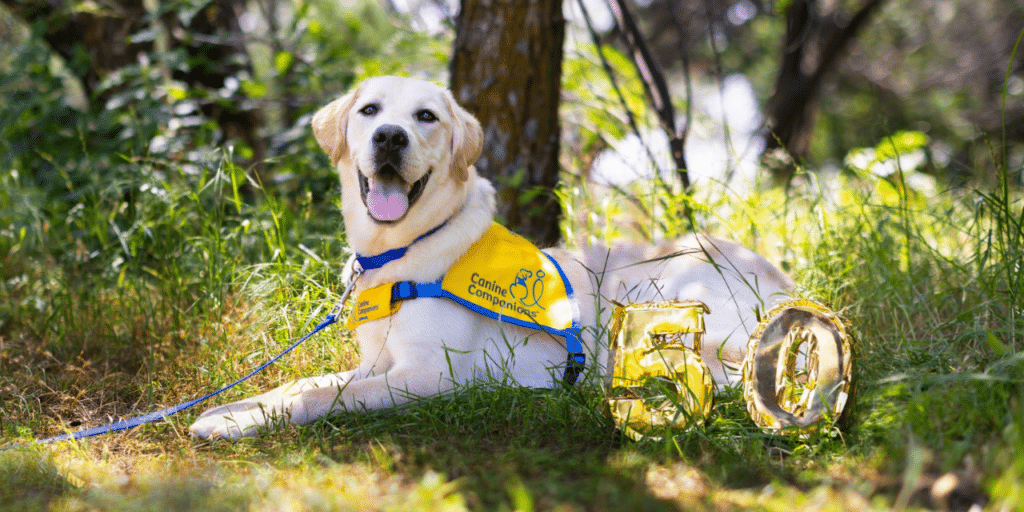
{"x":197,"y":285}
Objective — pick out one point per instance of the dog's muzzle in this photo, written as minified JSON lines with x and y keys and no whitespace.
{"x":386,"y":194}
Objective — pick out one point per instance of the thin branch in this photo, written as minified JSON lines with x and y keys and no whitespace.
{"x":630,"y":116}
{"x":654,"y":83}
{"x":684,"y":54}
{"x":726,"y":132}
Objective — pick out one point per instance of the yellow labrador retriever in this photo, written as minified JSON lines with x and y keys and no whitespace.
{"x":413,"y":206}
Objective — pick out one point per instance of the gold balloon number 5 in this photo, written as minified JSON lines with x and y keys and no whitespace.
{"x":659,"y":382}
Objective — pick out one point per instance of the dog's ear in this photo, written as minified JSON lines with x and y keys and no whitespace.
{"x":467,"y":139}
{"x":330,"y":124}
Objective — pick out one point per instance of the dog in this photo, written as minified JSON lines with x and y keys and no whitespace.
{"x":404,"y":150}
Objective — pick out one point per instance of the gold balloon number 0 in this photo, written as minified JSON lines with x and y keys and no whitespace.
{"x":798,"y":370}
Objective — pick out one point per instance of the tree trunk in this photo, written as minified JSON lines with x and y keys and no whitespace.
{"x":507,"y":70}
{"x":813,"y":44}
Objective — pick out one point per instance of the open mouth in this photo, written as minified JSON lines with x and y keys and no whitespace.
{"x":386,"y":200}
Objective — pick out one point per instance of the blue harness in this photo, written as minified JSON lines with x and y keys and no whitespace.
{"x":503,"y":277}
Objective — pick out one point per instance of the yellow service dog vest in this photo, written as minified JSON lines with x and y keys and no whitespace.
{"x":502,"y":276}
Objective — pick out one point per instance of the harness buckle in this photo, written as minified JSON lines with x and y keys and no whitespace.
{"x":403,"y":290}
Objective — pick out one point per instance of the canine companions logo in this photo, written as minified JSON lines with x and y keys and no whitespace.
{"x":528,"y":292}
{"x":508,"y":276}
{"x":498,"y":298}
{"x":534,"y":292}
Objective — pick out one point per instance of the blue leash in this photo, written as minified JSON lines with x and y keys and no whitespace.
{"x":331,"y":318}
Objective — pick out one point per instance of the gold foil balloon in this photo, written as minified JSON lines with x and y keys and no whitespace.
{"x":659,"y":381}
{"x":798,"y":368}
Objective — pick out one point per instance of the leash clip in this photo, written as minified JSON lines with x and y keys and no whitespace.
{"x":357,"y":270}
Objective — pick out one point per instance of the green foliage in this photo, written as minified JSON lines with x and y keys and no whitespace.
{"x":929,"y":42}
{"x":86,"y":163}
{"x":144,"y":264}
{"x":901,"y":152}
{"x":1008,"y":488}
{"x":925,"y":314}
{"x":31,"y":482}
{"x":597,"y":106}
{"x":118,"y":223}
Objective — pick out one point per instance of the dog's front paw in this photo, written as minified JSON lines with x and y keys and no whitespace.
{"x":233,"y":425}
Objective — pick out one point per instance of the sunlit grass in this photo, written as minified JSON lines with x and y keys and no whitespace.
{"x":202,"y":286}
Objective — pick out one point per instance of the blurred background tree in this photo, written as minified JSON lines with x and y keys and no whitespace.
{"x":934,"y":66}
{"x":818,"y":35}
{"x":89,"y":89}
{"x":506,"y":68}
{"x":199,"y":44}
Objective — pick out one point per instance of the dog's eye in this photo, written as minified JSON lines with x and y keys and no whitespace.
{"x":369,"y":110}
{"x":426,"y":116}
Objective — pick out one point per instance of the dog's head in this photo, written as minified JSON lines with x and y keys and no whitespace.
{"x":398,"y":140}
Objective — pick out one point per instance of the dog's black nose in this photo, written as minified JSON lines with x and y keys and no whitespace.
{"x":390,"y":138}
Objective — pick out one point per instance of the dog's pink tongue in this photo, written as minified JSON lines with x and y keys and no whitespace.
{"x":387,"y":201}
